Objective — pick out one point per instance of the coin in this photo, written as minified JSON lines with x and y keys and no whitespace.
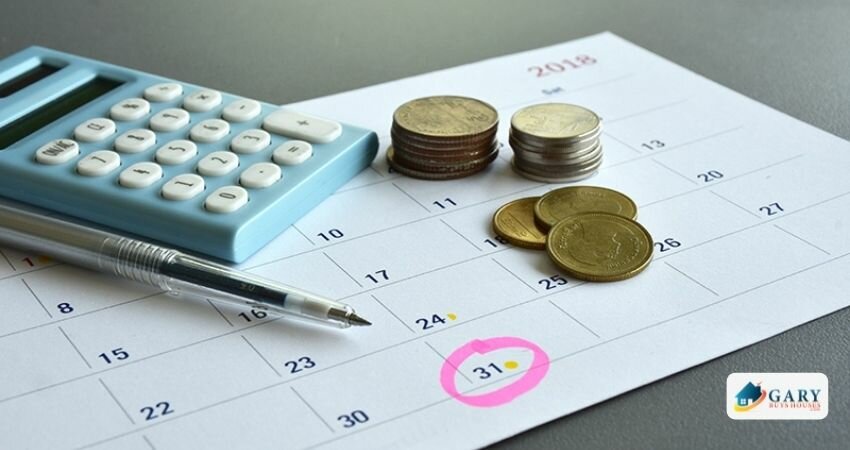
{"x":561,"y":203}
{"x":514,"y":221}
{"x":551,"y":178}
{"x":451,"y":174}
{"x":446,"y":116}
{"x":555,"y":142}
{"x":443,"y":137}
{"x":555,"y":121}
{"x":599,"y":247}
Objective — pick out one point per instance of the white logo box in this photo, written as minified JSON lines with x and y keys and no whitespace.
{"x":777,"y":396}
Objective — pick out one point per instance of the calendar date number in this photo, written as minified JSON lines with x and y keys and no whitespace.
{"x":564,"y":65}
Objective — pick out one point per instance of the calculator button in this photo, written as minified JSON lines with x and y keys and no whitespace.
{"x":241,"y":110}
{"x":140,"y":175}
{"x":226,"y":199}
{"x":183,"y":187}
{"x":291,"y":153}
{"x":210,"y":130}
{"x":250,"y":141}
{"x":203,"y":100}
{"x":135,"y":141}
{"x":93,"y":130}
{"x":260,"y":175}
{"x":163,"y":92}
{"x":98,"y":163}
{"x":170,"y":119}
{"x":130,"y":109}
{"x":302,"y":126}
{"x":57,"y":152}
{"x":217,"y":164}
{"x":176,"y":152}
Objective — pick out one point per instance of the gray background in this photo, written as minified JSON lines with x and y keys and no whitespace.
{"x":790,"y":55}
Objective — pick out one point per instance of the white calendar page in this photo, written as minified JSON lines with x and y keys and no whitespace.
{"x":473,"y":340}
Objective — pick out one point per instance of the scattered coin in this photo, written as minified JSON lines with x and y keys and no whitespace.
{"x":555,"y":142}
{"x":599,"y":246}
{"x":559,"y":204}
{"x":515,"y":222}
{"x":443,"y":137}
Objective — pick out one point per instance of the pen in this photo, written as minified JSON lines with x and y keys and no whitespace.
{"x":165,"y":268}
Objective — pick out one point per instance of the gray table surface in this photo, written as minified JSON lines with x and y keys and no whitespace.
{"x":791,"y":55}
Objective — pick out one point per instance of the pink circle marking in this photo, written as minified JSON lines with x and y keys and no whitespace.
{"x":505,"y":394}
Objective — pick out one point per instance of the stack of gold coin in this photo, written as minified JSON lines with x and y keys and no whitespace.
{"x":556,"y":142}
{"x":443,"y":137}
{"x":589,"y":232}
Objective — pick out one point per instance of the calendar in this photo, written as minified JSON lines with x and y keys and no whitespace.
{"x":473,"y":340}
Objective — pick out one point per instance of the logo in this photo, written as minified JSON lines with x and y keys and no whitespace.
{"x":749,"y":397}
{"x":777,"y":396}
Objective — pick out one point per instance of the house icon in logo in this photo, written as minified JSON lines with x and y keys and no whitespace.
{"x":749,"y":397}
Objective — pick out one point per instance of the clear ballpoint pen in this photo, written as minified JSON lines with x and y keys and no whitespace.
{"x":165,"y":268}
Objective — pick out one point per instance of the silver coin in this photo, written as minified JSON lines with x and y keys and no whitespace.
{"x":557,"y":158}
{"x":551,"y":178}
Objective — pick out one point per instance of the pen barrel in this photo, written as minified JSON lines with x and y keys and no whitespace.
{"x":84,"y":246}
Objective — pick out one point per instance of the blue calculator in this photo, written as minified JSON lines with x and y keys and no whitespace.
{"x":186,"y":165}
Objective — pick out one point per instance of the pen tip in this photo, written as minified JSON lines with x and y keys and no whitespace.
{"x":356,"y":320}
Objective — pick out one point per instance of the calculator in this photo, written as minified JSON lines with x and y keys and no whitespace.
{"x":186,"y":165}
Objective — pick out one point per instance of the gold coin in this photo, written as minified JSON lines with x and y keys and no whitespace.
{"x":561,"y":203}
{"x":514,"y":221}
{"x":555,"y":121}
{"x":446,"y":116}
{"x":599,"y":247}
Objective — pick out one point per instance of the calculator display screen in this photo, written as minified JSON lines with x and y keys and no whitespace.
{"x":50,"y":112}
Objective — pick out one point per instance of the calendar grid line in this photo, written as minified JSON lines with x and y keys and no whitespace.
{"x":295,"y":226}
{"x":393,"y":313}
{"x":376,"y":171}
{"x":9,"y":261}
{"x":647,"y":111}
{"x":445,"y":361}
{"x":560,"y":358}
{"x":72,"y":345}
{"x":674,"y":171}
{"x":219,"y":312}
{"x":725,"y":180}
{"x":410,"y":196}
{"x":577,"y":352}
{"x":436,"y":269}
{"x":260,"y":355}
{"x":697,"y":282}
{"x":800,"y":239}
{"x":372,"y":233}
{"x":734,"y":203}
{"x":29,"y":288}
{"x":340,"y":268}
{"x":460,"y":234}
{"x":63,"y":319}
{"x":671,"y":148}
{"x":568,"y":91}
{"x":514,"y":274}
{"x":589,"y":330}
{"x":385,"y":180}
{"x":316,"y":413}
{"x":132,"y":361}
{"x":150,"y":444}
{"x":439,"y":214}
{"x":626,"y":144}
{"x":115,"y":399}
{"x":17,"y":274}
{"x":690,"y":247}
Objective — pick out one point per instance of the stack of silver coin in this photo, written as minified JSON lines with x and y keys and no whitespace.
{"x":556,"y":142}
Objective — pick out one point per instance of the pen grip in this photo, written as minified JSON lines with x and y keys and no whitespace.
{"x":136,"y":260}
